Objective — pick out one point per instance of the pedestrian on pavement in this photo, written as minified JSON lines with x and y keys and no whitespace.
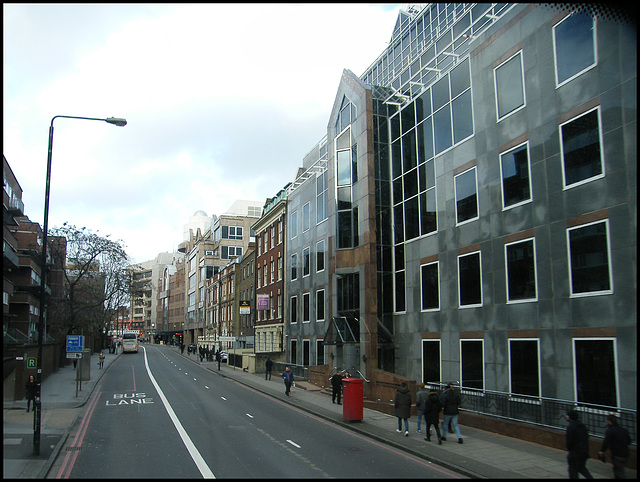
{"x":403,"y":407}
{"x":450,"y":400}
{"x":617,"y":440}
{"x":101,"y":362}
{"x":268,"y":366}
{"x":578,"y":446}
{"x":421,"y":397}
{"x":336,"y":385}
{"x":75,"y":363}
{"x":31,"y":392}
{"x":287,"y":376}
{"x":432,"y":407}
{"x":218,"y":358}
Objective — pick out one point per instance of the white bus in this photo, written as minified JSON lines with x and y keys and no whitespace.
{"x":129,"y":342}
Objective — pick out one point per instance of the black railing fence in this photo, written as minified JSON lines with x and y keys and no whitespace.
{"x":300,"y":372}
{"x":546,"y":412}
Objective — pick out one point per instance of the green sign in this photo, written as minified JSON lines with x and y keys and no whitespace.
{"x":32,"y":362}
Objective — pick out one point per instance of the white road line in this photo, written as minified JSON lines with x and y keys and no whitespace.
{"x":249,"y":415}
{"x":224,"y":399}
{"x":294,"y":444}
{"x":206,"y":387}
{"x":191,"y":448}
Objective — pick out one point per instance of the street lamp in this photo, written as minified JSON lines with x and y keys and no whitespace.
{"x":38,"y":416}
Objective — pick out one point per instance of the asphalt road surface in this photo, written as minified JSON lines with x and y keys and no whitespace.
{"x":155,"y":414}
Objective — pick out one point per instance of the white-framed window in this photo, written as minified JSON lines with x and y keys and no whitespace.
{"x":581,"y":149}
{"x":293,"y":315}
{"x":306,"y":217}
{"x":306,"y":261}
{"x":595,"y":371}
{"x":430,"y":286}
{"x":319,"y":305}
{"x":521,"y":271}
{"x":574,"y":42}
{"x":470,"y":280}
{"x":589,"y":256}
{"x":306,"y":307}
{"x":472,"y":363}
{"x":510,"y":88}
{"x":515,"y":172}
{"x":466,"y":192}
{"x":294,"y":266}
{"x":524,"y":366}
{"x":320,"y":256}
{"x":293,"y":225}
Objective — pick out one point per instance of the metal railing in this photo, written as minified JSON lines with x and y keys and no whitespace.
{"x":545,"y":412}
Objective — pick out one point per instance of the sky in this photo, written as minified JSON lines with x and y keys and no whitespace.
{"x":222,"y":102}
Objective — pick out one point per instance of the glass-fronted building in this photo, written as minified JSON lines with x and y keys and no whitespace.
{"x":481,"y":194}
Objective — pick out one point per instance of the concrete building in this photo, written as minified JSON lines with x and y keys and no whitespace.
{"x":207,"y":252}
{"x":482,"y":208}
{"x":147,"y":283}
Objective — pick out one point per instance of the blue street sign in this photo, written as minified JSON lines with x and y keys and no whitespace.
{"x":75,"y":343}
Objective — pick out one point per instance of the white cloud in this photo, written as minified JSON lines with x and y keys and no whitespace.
{"x":222,"y":103}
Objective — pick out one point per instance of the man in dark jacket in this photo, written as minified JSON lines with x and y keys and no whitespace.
{"x":268,"y":366}
{"x":31,"y":392}
{"x":432,"y":409}
{"x":616,"y":439}
{"x":578,"y":446}
{"x":403,"y":407}
{"x":450,"y":400}
{"x":336,"y":385}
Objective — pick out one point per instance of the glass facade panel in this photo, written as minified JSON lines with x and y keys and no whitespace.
{"x":523,"y":364}
{"x":516,"y":182}
{"x":470,"y":279}
{"x":466,"y":196}
{"x":589,"y":259}
{"x":430,"y":286}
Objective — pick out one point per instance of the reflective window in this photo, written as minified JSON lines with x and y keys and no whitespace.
{"x":429,"y":281}
{"x":521,"y":271}
{"x":466,"y":191}
{"x":470,"y":280}
{"x":581,"y":150}
{"x":516,"y":181}
{"x":472,"y":364}
{"x":595,"y":371}
{"x":574,"y":42}
{"x":509,"y":85}
{"x":524,"y":367}
{"x":589,"y":265}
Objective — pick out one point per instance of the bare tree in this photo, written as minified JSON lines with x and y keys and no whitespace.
{"x":96,"y":280}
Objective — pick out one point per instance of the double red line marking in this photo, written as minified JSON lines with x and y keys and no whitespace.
{"x":65,"y":471}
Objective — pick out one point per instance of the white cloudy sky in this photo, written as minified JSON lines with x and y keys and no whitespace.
{"x":222,"y":102}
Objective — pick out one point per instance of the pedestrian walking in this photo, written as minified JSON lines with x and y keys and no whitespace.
{"x":75,"y":363}
{"x":218,"y":358}
{"x":31,"y":392}
{"x":268,"y":366}
{"x":336,"y":385}
{"x":421,"y":398}
{"x":577,"y":439}
{"x":287,"y":376}
{"x":617,"y":440}
{"x":403,"y":407}
{"x":432,"y":407}
{"x":450,"y":403}
{"x":101,"y":360}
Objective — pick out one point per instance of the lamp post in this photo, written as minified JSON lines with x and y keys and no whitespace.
{"x":37,"y":414}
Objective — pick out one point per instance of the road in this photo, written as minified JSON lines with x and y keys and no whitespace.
{"x":157,"y":414}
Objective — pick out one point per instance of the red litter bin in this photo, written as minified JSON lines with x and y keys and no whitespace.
{"x":352,"y":396}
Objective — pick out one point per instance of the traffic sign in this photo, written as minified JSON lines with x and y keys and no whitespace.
{"x":227,"y":338}
{"x":32,"y":362}
{"x":75,"y":343}
{"x":74,"y":355}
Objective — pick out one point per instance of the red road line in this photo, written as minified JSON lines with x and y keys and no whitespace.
{"x":77,"y":443}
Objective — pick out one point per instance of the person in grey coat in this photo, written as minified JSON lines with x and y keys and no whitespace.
{"x":421,"y":397}
{"x":403,"y":407}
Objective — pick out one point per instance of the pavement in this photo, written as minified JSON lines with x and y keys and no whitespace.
{"x":482,"y":455}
